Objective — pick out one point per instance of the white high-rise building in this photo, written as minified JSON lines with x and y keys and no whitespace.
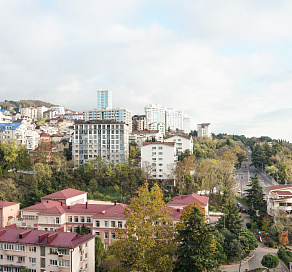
{"x":204,"y":130}
{"x":187,"y":123}
{"x":104,"y":99}
{"x":159,"y":116}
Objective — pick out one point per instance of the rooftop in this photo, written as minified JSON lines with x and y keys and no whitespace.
{"x":155,"y":143}
{"x":277,"y":187}
{"x":43,"y":238}
{"x":64,"y":194}
{"x":189,"y":199}
{"x":4,"y":204}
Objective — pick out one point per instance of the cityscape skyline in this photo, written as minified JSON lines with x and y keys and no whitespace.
{"x":225,"y":63}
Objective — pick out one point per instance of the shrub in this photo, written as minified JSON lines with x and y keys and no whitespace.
{"x":284,"y":256}
{"x":270,"y":243}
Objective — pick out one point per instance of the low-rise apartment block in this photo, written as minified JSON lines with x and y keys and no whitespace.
{"x":42,"y":251}
{"x":158,"y":159}
{"x":182,"y":142}
{"x":8,"y":212}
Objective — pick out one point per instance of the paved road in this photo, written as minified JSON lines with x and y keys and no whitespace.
{"x":255,"y":262}
{"x":248,"y":171}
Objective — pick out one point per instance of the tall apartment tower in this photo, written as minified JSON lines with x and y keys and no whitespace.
{"x":104,"y":99}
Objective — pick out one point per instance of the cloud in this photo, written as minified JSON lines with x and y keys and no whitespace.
{"x":221,"y":62}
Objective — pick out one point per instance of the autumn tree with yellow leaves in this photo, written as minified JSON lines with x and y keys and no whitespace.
{"x":147,"y":243}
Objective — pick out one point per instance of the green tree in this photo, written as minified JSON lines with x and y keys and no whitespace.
{"x":147,"y":242}
{"x":275,"y":230}
{"x":255,"y":195}
{"x":270,"y":261}
{"x":83,"y":230}
{"x":99,"y":253}
{"x":231,"y":219}
{"x":197,"y":245}
{"x":258,"y":155}
{"x":250,"y":242}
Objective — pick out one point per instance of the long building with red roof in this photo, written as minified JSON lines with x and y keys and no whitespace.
{"x":40,"y":250}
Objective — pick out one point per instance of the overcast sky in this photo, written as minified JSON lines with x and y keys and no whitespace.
{"x":223,"y":62}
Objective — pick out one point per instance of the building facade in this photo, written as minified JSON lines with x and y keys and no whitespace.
{"x":204,"y":130}
{"x":104,"y":100}
{"x":120,"y":115}
{"x":182,"y":142}
{"x":158,"y":159}
{"x":107,"y":139}
{"x":139,"y":123}
{"x":42,"y":251}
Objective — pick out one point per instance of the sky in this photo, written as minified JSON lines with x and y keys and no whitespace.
{"x":228,"y":63}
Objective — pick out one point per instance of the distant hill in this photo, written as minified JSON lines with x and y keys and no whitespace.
{"x":7,"y":104}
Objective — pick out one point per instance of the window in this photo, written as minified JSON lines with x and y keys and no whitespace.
{"x":57,"y":220}
{"x":8,"y":247}
{"x":106,"y":235}
{"x":33,"y":270}
{"x":70,"y":219}
{"x":76,"y":219}
{"x":70,"y":228}
{"x":53,"y":250}
{"x":54,"y":262}
{"x":7,"y":269}
{"x":1,"y":257}
{"x":113,"y":224}
{"x":97,"y":224}
{"x":153,"y":147}
{"x":113,"y":235}
{"x":10,"y":258}
{"x":32,"y":260}
{"x":1,"y":246}
{"x":97,"y":233}
{"x":81,"y":258}
{"x":21,"y":260}
{"x":85,"y":255}
{"x":160,"y":164}
{"x":63,"y":263}
{"x":82,"y":219}
{"x":160,"y":147}
{"x":106,"y":224}
{"x":153,"y":153}
{"x":160,"y":153}
{"x":32,"y":249}
{"x":120,"y":224}
{"x":75,"y":229}
{"x":19,"y":247}
{"x":88,"y":220}
{"x":63,"y":251}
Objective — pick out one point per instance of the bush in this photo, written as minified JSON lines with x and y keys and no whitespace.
{"x":270,"y":243}
{"x":285,"y":256}
{"x":248,"y":225}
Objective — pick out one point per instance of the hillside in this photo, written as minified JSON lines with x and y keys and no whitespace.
{"x":24,"y":103}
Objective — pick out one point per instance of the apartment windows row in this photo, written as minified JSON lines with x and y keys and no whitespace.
{"x":99,"y":127}
{"x":154,"y":147}
{"x":13,"y":247}
{"x":29,"y":217}
{"x":107,"y":224}
{"x":70,"y":229}
{"x":79,"y":219}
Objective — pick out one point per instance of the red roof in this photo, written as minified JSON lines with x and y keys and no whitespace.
{"x":179,"y":135}
{"x":284,"y":193}
{"x":58,"y":239}
{"x":4,"y":204}
{"x":64,"y":194}
{"x":163,"y":143}
{"x":91,"y":208}
{"x":175,"y":213}
{"x":54,"y":210}
{"x":114,"y":211}
{"x":276,"y":187}
{"x":42,"y":206}
{"x":43,"y":134}
{"x":279,"y":199}
{"x":189,"y":199}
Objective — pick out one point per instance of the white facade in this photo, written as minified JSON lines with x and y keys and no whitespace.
{"x":187,"y":123}
{"x":159,"y":158}
{"x":50,"y":114}
{"x":204,"y":130}
{"x":120,"y":115}
{"x":5,"y":117}
{"x":59,"y":110}
{"x":139,"y":137}
{"x":24,"y":133}
{"x":279,"y":198}
{"x":182,"y":142}
{"x":31,"y":112}
{"x":40,"y":112}
{"x":108,"y":139}
{"x":158,"y":116}
{"x":104,"y":99}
